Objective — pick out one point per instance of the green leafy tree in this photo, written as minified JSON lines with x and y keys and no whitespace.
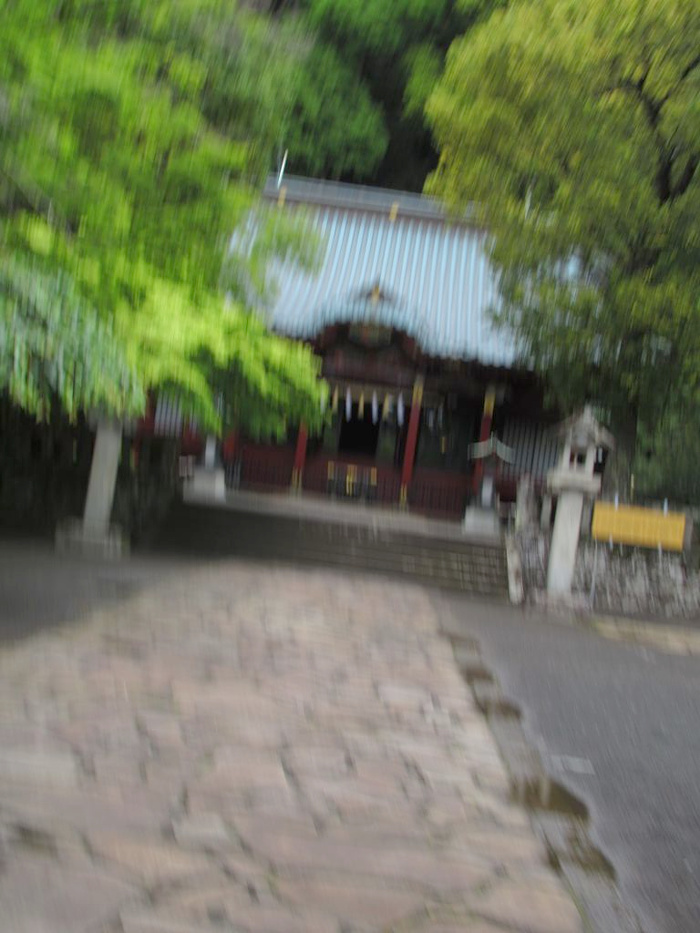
{"x":666,"y":466}
{"x":134,"y":137}
{"x":334,"y":128}
{"x":572,"y":128}
{"x":56,"y":347}
{"x":358,"y":90}
{"x":376,"y":26}
{"x":387,"y":46}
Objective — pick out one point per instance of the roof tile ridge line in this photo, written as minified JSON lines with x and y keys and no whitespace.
{"x":422,"y":212}
{"x":392,"y":252}
{"x":437,"y":215}
{"x":452,"y":250}
{"x":403,"y":236}
{"x":443,"y":315}
{"x":373,"y":191}
{"x":431,"y":287}
{"x":422,"y":206}
{"x":375,"y":245}
{"x":348,"y":263}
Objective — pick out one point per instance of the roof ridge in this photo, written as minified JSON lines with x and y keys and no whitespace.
{"x":341,"y":194}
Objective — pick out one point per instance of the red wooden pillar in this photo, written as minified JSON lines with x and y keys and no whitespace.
{"x":484,"y":432}
{"x":299,"y":457}
{"x":409,"y":457}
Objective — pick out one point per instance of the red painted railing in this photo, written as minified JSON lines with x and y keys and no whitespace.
{"x":438,"y":492}
{"x":352,"y":477}
{"x":266,"y":467}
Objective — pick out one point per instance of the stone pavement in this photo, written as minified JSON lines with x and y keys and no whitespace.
{"x":257,"y":749}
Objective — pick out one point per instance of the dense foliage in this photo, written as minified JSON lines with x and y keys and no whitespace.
{"x":574,"y":127}
{"x":357,"y":99}
{"x":134,"y":136}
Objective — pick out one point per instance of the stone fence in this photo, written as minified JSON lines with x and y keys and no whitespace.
{"x":632,"y":581}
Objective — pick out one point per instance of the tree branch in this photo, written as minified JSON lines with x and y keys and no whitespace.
{"x":652,"y":108}
{"x":685,"y":73}
{"x":686,"y":177}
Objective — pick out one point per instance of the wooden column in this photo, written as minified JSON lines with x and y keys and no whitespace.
{"x":409,"y":457}
{"x":229,"y":447}
{"x":229,"y":452}
{"x":299,"y":457}
{"x":484,"y":432}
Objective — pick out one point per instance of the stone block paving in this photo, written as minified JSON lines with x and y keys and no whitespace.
{"x":261,"y":750}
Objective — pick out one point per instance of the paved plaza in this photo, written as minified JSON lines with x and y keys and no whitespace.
{"x":238,"y":747}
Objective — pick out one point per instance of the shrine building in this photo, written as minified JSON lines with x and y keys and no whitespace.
{"x":398,"y":311}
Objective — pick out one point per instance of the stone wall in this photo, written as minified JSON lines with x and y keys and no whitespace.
{"x":631,"y":581}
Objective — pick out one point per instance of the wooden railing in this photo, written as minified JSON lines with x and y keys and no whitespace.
{"x":434,"y":492}
{"x":266,"y":467}
{"x":438,"y":492}
{"x":352,"y":479}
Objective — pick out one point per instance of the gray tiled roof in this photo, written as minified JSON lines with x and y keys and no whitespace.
{"x":433,"y":274}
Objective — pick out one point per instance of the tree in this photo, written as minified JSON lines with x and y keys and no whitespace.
{"x":125,"y":165}
{"x":135,"y":135}
{"x":362,"y":72}
{"x":354,"y":115}
{"x":669,"y":452}
{"x":334,"y":128}
{"x":382,"y":44}
{"x":572,"y":128}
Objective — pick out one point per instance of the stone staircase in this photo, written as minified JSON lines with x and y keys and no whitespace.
{"x":452,"y":562}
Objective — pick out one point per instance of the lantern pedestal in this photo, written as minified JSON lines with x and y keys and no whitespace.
{"x":573,"y":481}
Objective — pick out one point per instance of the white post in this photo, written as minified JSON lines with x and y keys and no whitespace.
{"x":575,"y":483}
{"x":103,"y":476}
{"x":93,"y":535}
{"x":562,"y":553}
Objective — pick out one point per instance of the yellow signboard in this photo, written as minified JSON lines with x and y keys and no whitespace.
{"x":639,"y":527}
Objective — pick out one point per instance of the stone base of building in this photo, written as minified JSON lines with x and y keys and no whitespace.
{"x":74,"y":537}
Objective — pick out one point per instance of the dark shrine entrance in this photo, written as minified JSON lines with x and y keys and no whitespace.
{"x":359,"y":435}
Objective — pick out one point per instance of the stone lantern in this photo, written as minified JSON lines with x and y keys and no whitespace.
{"x":573,"y":480}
